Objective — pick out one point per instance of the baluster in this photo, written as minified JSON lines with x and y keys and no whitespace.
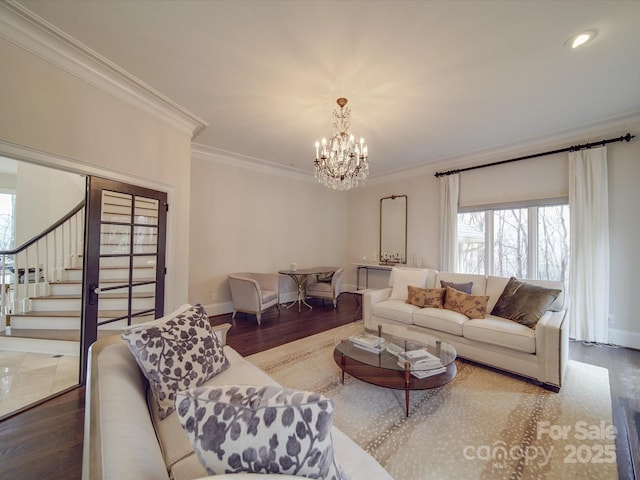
{"x":55,"y":256}
{"x":3,"y":294}
{"x":46,"y":260}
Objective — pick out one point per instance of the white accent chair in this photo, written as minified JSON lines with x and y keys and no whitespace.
{"x":330,"y":289}
{"x":254,"y":292}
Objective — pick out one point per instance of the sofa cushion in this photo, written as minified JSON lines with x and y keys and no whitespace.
{"x":176,"y":352}
{"x":175,"y":445}
{"x":319,"y":287}
{"x":269,"y":295}
{"x":426,"y":297}
{"x":473,"y":306}
{"x":396,"y":310}
{"x":260,"y":429}
{"x":501,"y":331}
{"x":440,"y":319}
{"x":462,"y":287}
{"x":402,"y":278}
{"x":523,"y":302}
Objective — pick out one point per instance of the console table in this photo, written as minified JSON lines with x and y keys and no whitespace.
{"x":366,"y":267}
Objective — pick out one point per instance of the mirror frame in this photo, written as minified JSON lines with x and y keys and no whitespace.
{"x":403,"y":259}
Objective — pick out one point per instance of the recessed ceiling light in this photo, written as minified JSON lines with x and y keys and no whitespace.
{"x":581,"y":38}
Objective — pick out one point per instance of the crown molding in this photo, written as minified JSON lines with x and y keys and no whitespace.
{"x":24,"y":29}
{"x":14,"y":151}
{"x":217,"y":155}
{"x":590,"y":132}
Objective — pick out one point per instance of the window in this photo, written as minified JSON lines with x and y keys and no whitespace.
{"x":7,"y":220}
{"x":525,"y":242}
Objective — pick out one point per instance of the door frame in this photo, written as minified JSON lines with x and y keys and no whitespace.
{"x":68,"y":164}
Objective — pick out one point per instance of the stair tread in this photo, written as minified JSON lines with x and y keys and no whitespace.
{"x":72,"y":313}
{"x":64,"y":335}
{"x":114,"y":267}
{"x":116,"y":280}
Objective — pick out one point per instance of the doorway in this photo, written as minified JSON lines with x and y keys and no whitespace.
{"x":119,"y":250}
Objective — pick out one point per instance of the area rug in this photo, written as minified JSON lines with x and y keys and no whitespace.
{"x":482,"y":425}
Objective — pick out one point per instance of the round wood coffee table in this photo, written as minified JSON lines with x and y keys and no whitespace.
{"x":385,"y":370}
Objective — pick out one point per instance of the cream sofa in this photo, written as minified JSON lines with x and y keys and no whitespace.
{"x":539,"y":354}
{"x":123,"y":438}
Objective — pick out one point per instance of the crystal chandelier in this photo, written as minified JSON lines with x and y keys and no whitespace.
{"x":341,"y":163}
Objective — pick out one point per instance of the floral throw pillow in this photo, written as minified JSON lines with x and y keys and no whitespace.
{"x":426,"y":297}
{"x":473,"y":306}
{"x":260,"y":429}
{"x":176,"y":352}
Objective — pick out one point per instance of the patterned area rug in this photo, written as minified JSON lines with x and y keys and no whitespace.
{"x":483,"y":424}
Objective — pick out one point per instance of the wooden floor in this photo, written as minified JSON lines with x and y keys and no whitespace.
{"x":46,"y":441}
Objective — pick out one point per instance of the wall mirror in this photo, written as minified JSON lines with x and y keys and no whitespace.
{"x":393,"y":229}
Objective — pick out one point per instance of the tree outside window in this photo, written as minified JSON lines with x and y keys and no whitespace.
{"x":7,"y":221}
{"x":530,"y":242}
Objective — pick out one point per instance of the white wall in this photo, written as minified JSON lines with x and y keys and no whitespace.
{"x":544,"y":177}
{"x":245,"y":219}
{"x":52,"y":112}
{"x":423,"y":217}
{"x":624,"y":241}
{"x":44,"y":196}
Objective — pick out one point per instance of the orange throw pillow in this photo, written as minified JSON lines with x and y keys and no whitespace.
{"x":473,"y":306}
{"x":426,"y":297}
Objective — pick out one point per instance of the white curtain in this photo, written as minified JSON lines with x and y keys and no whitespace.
{"x":449,"y":189}
{"x":589,"y":277}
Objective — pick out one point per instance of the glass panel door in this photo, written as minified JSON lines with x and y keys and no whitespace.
{"x":124,"y":271}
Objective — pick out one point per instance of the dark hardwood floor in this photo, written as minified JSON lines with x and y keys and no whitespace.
{"x":45,"y":442}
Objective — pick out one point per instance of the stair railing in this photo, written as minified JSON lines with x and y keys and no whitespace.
{"x":27,"y":270}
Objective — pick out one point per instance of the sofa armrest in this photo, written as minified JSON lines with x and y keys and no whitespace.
{"x":369,"y":299}
{"x":268,"y":281}
{"x":118,"y":430}
{"x":221,"y":332}
{"x":245,"y":293}
{"x":552,"y":347}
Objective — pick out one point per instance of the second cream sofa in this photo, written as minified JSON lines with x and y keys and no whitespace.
{"x":539,"y":354}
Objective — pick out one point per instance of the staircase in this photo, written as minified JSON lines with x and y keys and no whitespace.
{"x":43,"y":314}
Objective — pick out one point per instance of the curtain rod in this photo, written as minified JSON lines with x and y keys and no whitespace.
{"x":574,"y":148}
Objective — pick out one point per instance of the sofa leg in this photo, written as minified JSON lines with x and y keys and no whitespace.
{"x":335,"y":303}
{"x":259,"y":317}
{"x":550,"y":387}
{"x":234,"y":315}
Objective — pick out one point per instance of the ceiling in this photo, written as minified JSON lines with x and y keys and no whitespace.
{"x":427,"y":81}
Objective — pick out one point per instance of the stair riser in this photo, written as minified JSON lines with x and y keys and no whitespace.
{"x":112,"y":274}
{"x":64,"y":305}
{"x":124,"y":261}
{"x":67,"y":323}
{"x":76,"y":288}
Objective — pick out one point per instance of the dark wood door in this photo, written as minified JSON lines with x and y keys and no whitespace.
{"x":124,"y":266}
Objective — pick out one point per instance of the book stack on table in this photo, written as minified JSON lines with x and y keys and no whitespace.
{"x":421,"y":363}
{"x":367,"y":341}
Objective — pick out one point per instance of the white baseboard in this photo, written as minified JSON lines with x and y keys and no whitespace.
{"x":223,"y":308}
{"x":214,"y":309}
{"x":624,"y":338}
